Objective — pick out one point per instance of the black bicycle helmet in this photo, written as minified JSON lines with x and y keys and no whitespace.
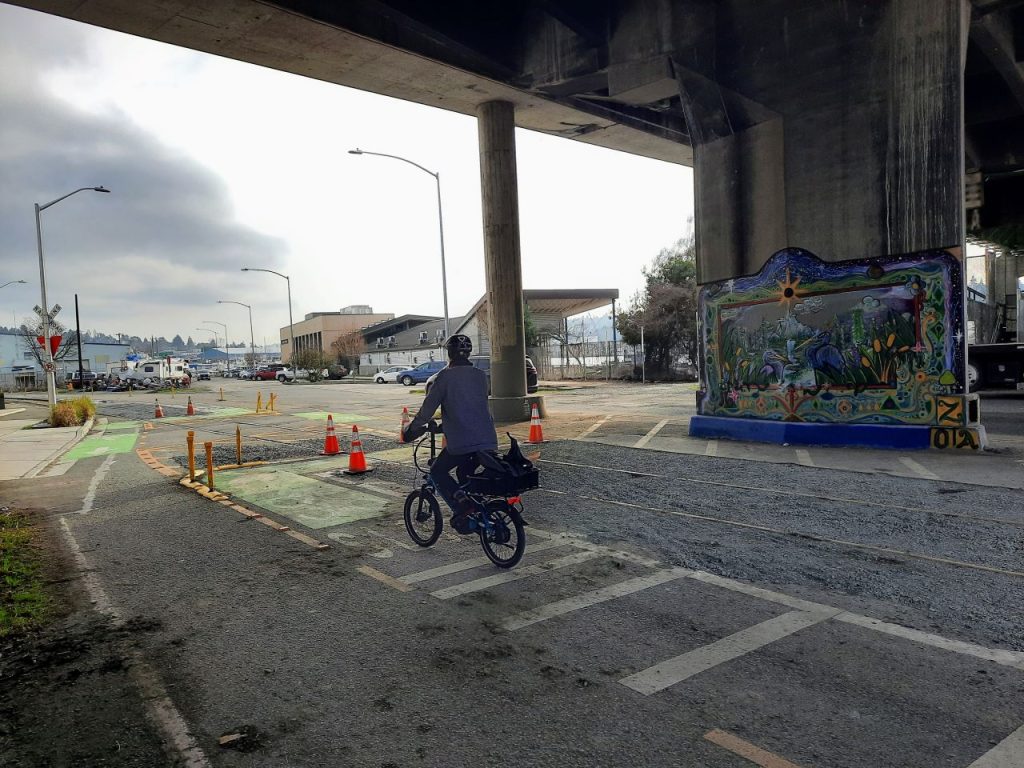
{"x":459,"y":346}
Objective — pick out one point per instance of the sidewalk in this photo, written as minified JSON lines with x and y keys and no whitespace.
{"x":25,"y":452}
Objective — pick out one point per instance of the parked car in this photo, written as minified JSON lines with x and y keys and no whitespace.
{"x":483,"y":362}
{"x":337,"y":372}
{"x":421,"y":372}
{"x":390,"y":374}
{"x":203,"y":376}
{"x":277,"y":371}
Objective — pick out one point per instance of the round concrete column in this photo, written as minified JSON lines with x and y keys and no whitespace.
{"x":500,"y":202}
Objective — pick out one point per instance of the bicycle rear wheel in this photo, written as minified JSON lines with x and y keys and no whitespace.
{"x":502,"y":537}
{"x":422,"y":517}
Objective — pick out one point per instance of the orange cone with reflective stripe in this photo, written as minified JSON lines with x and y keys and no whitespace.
{"x":356,"y":457}
{"x":159,"y":411}
{"x":331,"y":446}
{"x":405,"y":423}
{"x":536,"y":430}
{"x":191,"y":409}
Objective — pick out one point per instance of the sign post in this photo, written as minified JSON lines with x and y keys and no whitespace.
{"x":49,"y":338}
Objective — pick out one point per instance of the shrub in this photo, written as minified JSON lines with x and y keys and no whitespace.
{"x":63,"y":414}
{"x":84,"y":408}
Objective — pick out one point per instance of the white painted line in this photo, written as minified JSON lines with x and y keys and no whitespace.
{"x":683,"y":667}
{"x":503,"y":578}
{"x":647,"y":438}
{"x":1013,"y":659}
{"x":1008,"y":753}
{"x":803,"y":457}
{"x":917,"y":469}
{"x":593,"y":427}
{"x":90,"y":495}
{"x":161,"y":709}
{"x":712,"y":448}
{"x":764,"y":594}
{"x":475,"y":562}
{"x":587,"y":599}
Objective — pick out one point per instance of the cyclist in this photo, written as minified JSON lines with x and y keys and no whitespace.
{"x":460,"y":390}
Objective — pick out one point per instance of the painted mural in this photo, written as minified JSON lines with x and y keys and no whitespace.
{"x":877,"y":341}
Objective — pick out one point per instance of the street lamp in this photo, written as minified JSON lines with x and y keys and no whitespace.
{"x":51,"y":381}
{"x":252,"y":340}
{"x":440,"y":221}
{"x":291,"y":325}
{"x":226,"y":350}
{"x":12,"y":282}
{"x":215,"y":337}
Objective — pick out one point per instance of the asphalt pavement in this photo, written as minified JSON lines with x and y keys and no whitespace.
{"x":675,"y":607}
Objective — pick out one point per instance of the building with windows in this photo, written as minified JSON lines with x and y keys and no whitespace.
{"x":20,"y":370}
{"x":319,"y":329}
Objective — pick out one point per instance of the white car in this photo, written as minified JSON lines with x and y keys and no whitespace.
{"x":390,"y":374}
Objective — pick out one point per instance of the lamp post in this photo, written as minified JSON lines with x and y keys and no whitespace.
{"x":226,"y":350}
{"x":51,"y":382}
{"x":12,"y":282}
{"x":291,"y":325}
{"x":252,"y":340}
{"x":215,"y":338}
{"x":440,"y":222}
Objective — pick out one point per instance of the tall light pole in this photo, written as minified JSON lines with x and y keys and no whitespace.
{"x":12,"y":282}
{"x":440,"y":221}
{"x":51,"y":382}
{"x":215,"y":337}
{"x":227,"y":351}
{"x":252,"y":340}
{"x":291,"y":325}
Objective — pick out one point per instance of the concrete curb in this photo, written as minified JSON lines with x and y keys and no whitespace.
{"x":80,"y":434}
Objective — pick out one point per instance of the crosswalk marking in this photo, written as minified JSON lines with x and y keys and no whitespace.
{"x":685,"y":666}
{"x":587,"y":599}
{"x":475,"y":562}
{"x":521,"y":573}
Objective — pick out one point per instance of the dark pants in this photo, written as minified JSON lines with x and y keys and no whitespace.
{"x":440,"y":473}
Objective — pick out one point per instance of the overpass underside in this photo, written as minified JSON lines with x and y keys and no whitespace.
{"x":829,"y":140}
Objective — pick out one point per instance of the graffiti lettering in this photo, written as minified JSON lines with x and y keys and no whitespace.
{"x":949,"y":411}
{"x":943,"y":438}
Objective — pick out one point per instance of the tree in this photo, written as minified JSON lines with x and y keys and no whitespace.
{"x":314,"y":361}
{"x":348,"y":348}
{"x":68,"y":344}
{"x":666,"y":309}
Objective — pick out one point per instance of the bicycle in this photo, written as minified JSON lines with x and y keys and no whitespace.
{"x":498,"y":508}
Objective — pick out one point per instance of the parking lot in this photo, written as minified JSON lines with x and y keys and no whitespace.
{"x":681,"y":602}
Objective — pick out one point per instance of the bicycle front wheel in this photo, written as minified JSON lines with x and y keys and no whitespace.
{"x":502,"y":536}
{"x":422,"y":517}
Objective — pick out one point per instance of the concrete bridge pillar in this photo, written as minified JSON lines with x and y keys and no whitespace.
{"x":500,"y":203}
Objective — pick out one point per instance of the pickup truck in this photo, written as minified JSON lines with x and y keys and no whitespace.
{"x":274,"y":371}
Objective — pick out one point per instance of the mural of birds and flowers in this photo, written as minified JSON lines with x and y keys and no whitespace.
{"x":871,"y":341}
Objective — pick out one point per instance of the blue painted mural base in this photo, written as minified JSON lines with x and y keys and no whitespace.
{"x":889,"y":436}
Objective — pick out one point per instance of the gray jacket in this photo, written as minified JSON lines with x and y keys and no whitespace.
{"x":460,"y":391}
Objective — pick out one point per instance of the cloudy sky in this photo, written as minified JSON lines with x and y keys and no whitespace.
{"x":215,"y":165}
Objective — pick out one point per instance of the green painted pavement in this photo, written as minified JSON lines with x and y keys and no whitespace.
{"x":101,"y":445}
{"x":347,"y":418}
{"x":312,"y":503}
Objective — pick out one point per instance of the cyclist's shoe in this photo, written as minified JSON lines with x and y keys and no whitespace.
{"x":462,"y":523}
{"x":462,"y":518}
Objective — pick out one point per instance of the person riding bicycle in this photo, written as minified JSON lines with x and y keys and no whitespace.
{"x":460,"y":390}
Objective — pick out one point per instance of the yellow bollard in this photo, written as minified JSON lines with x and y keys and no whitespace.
{"x":272,"y":408}
{"x":238,"y":444}
{"x":259,"y":402}
{"x":191,"y":456}
{"x":209,"y":465}
{"x":222,"y":394}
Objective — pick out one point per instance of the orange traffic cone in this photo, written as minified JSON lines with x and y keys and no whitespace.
{"x":405,"y":423}
{"x":191,"y":409}
{"x":331,"y":441}
{"x":356,"y":458}
{"x":536,"y":430}
{"x":159,"y":411}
